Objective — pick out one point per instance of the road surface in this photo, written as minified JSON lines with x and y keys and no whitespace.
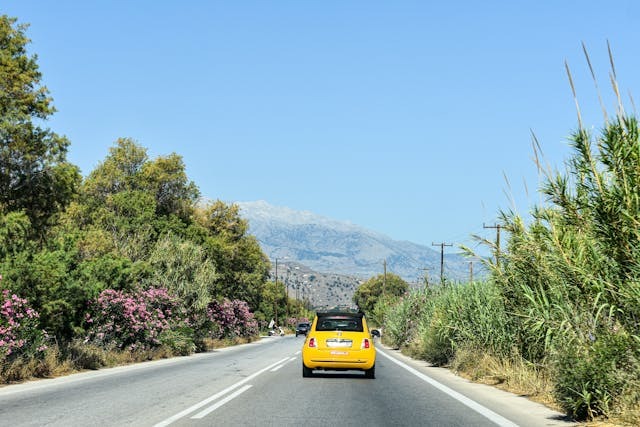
{"x":261,"y":384}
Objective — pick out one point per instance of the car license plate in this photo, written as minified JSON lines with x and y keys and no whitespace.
{"x":339,"y":353}
{"x":339,"y":343}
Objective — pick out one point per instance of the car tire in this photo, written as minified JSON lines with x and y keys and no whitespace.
{"x":370,"y":373}
{"x":306,"y":372}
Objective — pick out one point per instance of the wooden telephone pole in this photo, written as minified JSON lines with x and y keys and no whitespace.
{"x":384,"y":279}
{"x":442,"y":245}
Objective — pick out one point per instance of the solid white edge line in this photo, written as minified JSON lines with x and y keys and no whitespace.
{"x":218,"y":404}
{"x":486,"y":412}
{"x":215,"y":396}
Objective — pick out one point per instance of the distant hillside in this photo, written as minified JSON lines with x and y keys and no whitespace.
{"x":337,"y":247}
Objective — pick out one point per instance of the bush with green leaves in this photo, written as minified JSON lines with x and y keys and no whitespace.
{"x":592,"y":376}
{"x":132,"y":321}
{"x":571,"y":276}
{"x":401,"y":318}
{"x":20,"y":335}
{"x":232,"y":319}
{"x":470,"y":315}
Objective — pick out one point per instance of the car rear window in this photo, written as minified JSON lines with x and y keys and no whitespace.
{"x":339,"y":323}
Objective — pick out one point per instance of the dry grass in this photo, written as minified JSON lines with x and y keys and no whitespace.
{"x":80,"y":357}
{"x":515,"y":376}
{"x":212,"y":344}
{"x":519,"y":377}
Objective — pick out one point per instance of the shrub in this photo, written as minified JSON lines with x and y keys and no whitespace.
{"x":464,"y":316}
{"x":132,"y":321}
{"x":232,"y":319}
{"x":401,"y":319}
{"x":180,"y":340}
{"x":592,"y":377}
{"x":19,"y":333}
{"x":86,"y":356}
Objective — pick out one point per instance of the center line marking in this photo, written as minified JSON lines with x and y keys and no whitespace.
{"x":216,"y":396}
{"x":212,"y":408}
{"x":284,"y":363}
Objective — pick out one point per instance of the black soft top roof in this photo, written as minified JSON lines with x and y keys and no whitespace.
{"x":332,"y":313}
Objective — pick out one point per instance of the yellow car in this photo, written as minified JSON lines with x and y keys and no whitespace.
{"x":339,"y":341}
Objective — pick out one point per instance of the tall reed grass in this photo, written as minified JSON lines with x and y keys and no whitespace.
{"x":564,"y":296}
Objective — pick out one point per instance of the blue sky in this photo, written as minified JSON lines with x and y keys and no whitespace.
{"x":403,"y":117}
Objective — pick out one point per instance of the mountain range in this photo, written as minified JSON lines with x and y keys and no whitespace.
{"x":329,"y":246}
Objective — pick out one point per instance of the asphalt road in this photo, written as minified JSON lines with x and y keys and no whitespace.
{"x":261,"y":384}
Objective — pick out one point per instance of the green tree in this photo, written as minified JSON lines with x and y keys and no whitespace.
{"x":128,"y":168}
{"x":273,"y":304}
{"x":15,"y":228}
{"x":166,"y":179}
{"x":129,"y":200}
{"x":241,"y":265}
{"x":367,"y":295}
{"x":35,"y":176}
{"x":182,"y":267}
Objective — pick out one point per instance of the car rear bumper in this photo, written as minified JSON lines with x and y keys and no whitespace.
{"x":353,"y":360}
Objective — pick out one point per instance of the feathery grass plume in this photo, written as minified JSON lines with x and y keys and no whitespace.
{"x":595,"y":82}
{"x":565,"y":295}
{"x":572,"y":275}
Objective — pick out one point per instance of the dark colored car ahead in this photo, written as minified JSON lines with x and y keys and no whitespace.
{"x":303,"y":328}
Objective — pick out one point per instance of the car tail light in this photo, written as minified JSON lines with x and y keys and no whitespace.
{"x":365,"y":343}
{"x":312,"y":342}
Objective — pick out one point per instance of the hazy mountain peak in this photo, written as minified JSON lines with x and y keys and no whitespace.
{"x":330,"y":246}
{"x":262,"y":210}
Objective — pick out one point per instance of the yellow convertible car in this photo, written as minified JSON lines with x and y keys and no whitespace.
{"x":339,"y":341}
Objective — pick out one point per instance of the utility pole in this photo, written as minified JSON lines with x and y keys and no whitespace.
{"x":275,"y":305}
{"x":442,"y":245}
{"x":470,"y":271}
{"x":286,"y":283}
{"x":384,"y":279}
{"x":497,"y":227}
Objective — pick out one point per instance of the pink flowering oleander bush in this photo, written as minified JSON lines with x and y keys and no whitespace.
{"x":232,"y":319}
{"x":132,"y":321}
{"x":19,"y":332}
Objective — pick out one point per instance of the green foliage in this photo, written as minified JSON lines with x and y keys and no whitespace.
{"x":368,"y":294}
{"x":379,"y":313}
{"x":183,"y":268}
{"x":127,"y":169}
{"x":464,"y":316}
{"x":15,"y":228}
{"x":241,"y":265}
{"x":592,"y":375}
{"x":401,"y":319}
{"x":180,"y":340}
{"x":34,"y":175}
{"x":273,"y":303}
{"x":573,"y":273}
{"x":132,"y":224}
{"x":19,"y":333}
{"x":43,"y":278}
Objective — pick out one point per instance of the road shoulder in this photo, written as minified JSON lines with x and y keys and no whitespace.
{"x":518,"y":409}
